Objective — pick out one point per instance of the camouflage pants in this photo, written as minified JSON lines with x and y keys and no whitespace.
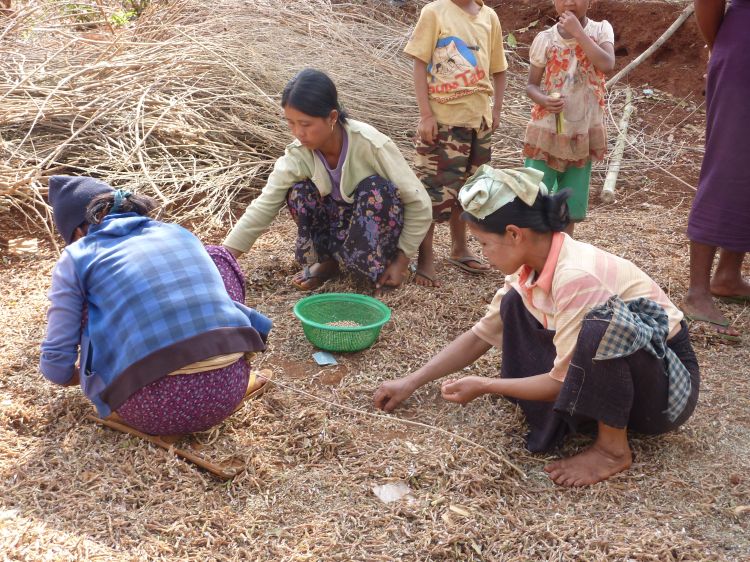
{"x":444,"y":166}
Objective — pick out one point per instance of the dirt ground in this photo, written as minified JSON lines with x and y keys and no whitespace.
{"x":314,"y":447}
{"x":676,"y":67}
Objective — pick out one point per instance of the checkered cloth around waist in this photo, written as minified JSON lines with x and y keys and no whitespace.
{"x":643,"y":324}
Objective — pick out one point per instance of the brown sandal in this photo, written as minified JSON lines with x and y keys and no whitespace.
{"x":431,"y":278}
{"x":267,"y":375}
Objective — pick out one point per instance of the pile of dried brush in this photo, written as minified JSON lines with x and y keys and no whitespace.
{"x":183,"y":104}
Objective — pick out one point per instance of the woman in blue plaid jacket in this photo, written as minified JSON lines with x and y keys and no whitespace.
{"x":157,"y":319}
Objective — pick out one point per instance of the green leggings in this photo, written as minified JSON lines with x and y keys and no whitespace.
{"x":577,"y":179}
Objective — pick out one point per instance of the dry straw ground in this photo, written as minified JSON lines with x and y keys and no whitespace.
{"x":184,"y":104}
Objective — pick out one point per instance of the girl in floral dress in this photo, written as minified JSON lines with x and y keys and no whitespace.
{"x":567,"y":131}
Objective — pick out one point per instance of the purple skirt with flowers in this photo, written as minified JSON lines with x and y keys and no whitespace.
{"x":180,"y":404}
{"x":361,"y":236}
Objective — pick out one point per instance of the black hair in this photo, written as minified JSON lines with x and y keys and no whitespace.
{"x":549,"y":213}
{"x":101,"y":205}
{"x":313,"y":93}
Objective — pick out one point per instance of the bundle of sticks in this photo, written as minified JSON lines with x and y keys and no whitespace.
{"x":183,"y":104}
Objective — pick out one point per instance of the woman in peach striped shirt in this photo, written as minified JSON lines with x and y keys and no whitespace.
{"x":588,"y":338}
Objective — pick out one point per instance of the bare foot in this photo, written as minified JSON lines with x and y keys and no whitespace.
{"x":727,"y":280}
{"x":319,"y":273}
{"x":609,"y":455}
{"x":738,"y":288}
{"x":589,"y":467}
{"x":115,"y":417}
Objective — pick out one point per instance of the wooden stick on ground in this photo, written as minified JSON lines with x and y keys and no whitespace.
{"x":215,"y":469}
{"x":608,"y":190}
{"x":686,"y":13}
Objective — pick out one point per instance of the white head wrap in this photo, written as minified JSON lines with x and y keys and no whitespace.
{"x":489,"y":189}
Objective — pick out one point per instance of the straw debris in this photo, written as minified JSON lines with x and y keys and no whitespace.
{"x":183,"y":104}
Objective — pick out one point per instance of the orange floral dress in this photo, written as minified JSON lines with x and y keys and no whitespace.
{"x":569,"y":71}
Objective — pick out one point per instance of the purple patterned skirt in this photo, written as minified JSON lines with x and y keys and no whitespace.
{"x":180,"y":404}
{"x":362,"y":236}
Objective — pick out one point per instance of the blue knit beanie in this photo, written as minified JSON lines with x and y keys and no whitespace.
{"x":69,"y":196}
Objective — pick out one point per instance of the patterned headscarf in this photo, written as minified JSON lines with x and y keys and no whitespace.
{"x":489,"y":189}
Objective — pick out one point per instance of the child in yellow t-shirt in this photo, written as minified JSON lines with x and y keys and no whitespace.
{"x":459,"y":68}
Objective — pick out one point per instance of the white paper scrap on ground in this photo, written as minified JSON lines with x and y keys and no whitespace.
{"x":413,"y":449}
{"x":8,"y":514}
{"x":392,"y":492}
{"x":21,"y":246}
{"x":324,"y":358}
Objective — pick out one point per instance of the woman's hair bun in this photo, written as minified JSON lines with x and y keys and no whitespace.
{"x":555,"y":210}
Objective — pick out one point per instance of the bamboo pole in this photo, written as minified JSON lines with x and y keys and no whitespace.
{"x":608,"y":190}
{"x":686,"y":13}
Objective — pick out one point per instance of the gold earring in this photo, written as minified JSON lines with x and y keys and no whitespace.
{"x":333,"y":124}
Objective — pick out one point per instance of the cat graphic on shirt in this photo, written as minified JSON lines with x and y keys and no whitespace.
{"x":451,"y":57}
